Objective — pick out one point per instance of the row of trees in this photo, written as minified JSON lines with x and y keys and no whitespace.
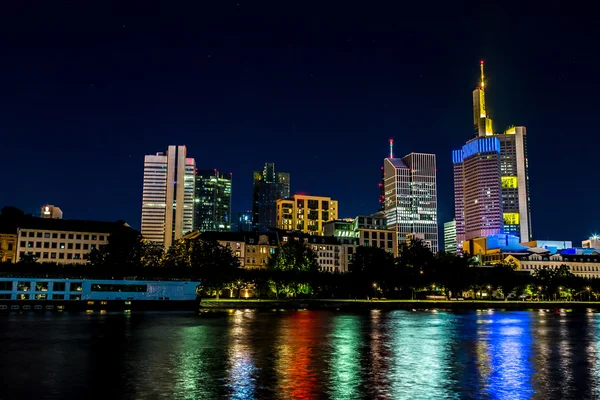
{"x":293,"y":271}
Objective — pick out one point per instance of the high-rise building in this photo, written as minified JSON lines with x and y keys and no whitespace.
{"x":450,"y":245}
{"x":168,"y":195}
{"x":242,"y":222}
{"x":269,"y":186}
{"x":411,"y":197}
{"x":477,"y":189}
{"x":305,"y":213}
{"x":513,"y":175}
{"x":212,"y":201}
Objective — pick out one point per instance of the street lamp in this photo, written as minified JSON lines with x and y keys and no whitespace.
{"x":540,"y":292}
{"x":560,"y":288}
{"x":589,"y":290}
{"x":374,"y":289}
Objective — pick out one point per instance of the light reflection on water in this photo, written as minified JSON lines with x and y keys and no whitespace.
{"x":303,"y":354}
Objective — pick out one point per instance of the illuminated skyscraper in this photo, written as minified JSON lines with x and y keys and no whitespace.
{"x":269,"y":186}
{"x":512,"y":174}
{"x":168,"y":195}
{"x":212,"y":202}
{"x":410,"y":192}
{"x":477,"y":190}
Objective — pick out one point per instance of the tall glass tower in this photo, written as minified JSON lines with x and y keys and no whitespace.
{"x":410,"y":191}
{"x":269,"y":186}
{"x":510,"y":153}
{"x":168,"y":195}
{"x":212,"y":202}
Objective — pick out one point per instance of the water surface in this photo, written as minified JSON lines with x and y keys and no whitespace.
{"x":302,"y":354}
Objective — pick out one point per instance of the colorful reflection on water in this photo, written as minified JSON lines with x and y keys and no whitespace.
{"x":246,"y":354}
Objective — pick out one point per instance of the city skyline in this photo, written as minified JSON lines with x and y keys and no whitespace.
{"x":313,"y":95}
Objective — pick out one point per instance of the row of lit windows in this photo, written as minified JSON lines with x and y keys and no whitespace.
{"x":57,"y":256}
{"x":56,"y":235}
{"x":26,"y":286}
{"x":56,"y":245}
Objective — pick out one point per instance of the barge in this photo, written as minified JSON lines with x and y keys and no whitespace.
{"x":61,"y":294}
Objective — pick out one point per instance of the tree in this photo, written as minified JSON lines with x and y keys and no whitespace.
{"x":11,"y":218}
{"x":373,"y":269}
{"x":295,"y":256}
{"x":290,"y":267}
{"x":29,"y":259}
{"x":123,"y":250}
{"x":152,"y":254}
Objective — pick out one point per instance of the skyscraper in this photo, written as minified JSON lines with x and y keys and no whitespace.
{"x":411,"y":197}
{"x":269,"y":186}
{"x":168,"y":195}
{"x":477,"y":190}
{"x":450,"y":245}
{"x":212,"y":201}
{"x":513,"y":175}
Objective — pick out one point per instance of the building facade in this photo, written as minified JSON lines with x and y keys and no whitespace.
{"x":168,"y":195}
{"x":242,"y":222}
{"x":212,"y":201}
{"x":305,"y":213}
{"x":411,"y":197}
{"x":450,"y":243}
{"x":584,"y":266}
{"x":8,"y":247}
{"x":269,"y":186}
{"x":477,"y":189}
{"x":61,"y":240}
{"x":513,"y":170}
{"x":592,"y":243}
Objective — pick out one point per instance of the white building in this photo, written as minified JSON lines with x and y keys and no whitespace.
{"x":585,"y":266}
{"x":410,"y":196}
{"x":168,"y":196}
{"x":62,"y":241}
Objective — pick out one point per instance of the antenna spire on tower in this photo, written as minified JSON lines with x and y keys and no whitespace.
{"x":482,"y":80}
{"x":391,"y":148}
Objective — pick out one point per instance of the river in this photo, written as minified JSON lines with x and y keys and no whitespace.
{"x":246,"y":354}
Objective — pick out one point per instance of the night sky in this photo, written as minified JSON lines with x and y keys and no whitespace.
{"x":89,"y":89}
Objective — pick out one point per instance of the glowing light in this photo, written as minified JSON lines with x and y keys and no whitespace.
{"x":509,"y":182}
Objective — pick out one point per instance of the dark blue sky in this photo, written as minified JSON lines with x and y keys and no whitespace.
{"x":88,"y":89}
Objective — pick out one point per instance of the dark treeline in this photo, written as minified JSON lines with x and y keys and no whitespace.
{"x":293,"y":271}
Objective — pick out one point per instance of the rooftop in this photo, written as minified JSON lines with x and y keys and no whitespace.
{"x":71,"y":225}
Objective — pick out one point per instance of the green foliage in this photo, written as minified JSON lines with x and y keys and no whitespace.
{"x":293,"y":256}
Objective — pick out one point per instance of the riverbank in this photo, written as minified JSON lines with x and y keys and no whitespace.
{"x":325,"y":304}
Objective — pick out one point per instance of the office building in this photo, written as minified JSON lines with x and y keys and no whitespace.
{"x":450,"y":244}
{"x":269,"y":186}
{"x":477,"y":189}
{"x":305,"y":213}
{"x":411,"y":197}
{"x":62,"y":241}
{"x":242,"y":222}
{"x":168,"y":195}
{"x":212,"y":201}
{"x":49,"y":211}
{"x":514,"y":167}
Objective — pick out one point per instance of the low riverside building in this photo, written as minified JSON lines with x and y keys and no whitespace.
{"x":582,"y":265}
{"x":63,"y":241}
{"x":253,"y":249}
{"x":364,"y":230}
